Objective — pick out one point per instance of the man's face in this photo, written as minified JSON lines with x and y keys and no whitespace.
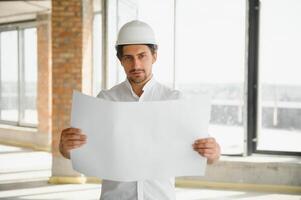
{"x":137,"y":62}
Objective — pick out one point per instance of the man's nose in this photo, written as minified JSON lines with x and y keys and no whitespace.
{"x":136,"y":62}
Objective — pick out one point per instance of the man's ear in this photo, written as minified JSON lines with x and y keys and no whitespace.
{"x":154,"y":57}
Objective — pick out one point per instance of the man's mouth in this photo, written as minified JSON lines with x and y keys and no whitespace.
{"x":135,"y":72}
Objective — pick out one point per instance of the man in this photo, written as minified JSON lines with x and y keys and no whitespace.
{"x":137,"y":52}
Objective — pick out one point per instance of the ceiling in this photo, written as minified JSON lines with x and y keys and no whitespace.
{"x":12,"y":11}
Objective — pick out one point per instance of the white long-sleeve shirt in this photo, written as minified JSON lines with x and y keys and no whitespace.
{"x":146,"y":189}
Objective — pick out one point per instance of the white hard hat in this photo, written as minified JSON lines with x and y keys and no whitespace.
{"x":136,"y":32}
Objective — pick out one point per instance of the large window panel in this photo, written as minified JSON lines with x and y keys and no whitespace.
{"x":18,"y":75}
{"x":202,"y":49}
{"x":29,"y":108}
{"x":210,"y":49}
{"x":279,"y":111}
{"x":9,"y":76}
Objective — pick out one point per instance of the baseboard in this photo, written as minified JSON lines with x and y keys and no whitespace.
{"x":188,"y":183}
{"x":73,"y":180}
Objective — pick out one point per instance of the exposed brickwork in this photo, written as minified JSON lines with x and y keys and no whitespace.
{"x":71,"y":59}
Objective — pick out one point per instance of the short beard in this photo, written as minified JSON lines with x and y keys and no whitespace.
{"x":139,"y":80}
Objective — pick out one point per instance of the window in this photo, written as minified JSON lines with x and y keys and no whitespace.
{"x":18,"y":82}
{"x":9,"y":76}
{"x":210,"y":48}
{"x":208,"y":39}
{"x":279,"y":111}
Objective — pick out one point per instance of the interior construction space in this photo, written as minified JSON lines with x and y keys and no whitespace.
{"x":244,"y":54}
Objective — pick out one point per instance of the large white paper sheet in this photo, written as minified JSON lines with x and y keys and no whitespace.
{"x":130,"y":141}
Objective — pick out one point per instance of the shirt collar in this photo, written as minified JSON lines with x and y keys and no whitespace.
{"x":149,"y":84}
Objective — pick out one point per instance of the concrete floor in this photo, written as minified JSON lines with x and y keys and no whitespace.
{"x":24,"y":174}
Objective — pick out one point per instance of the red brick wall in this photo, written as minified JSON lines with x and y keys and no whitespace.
{"x":70,"y":50}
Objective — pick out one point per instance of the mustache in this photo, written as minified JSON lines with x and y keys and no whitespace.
{"x":137,"y":70}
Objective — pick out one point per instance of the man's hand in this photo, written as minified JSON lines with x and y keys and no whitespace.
{"x":71,"y":138}
{"x":208,"y":148}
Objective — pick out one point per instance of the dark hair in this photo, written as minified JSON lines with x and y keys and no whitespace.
{"x":152,"y":47}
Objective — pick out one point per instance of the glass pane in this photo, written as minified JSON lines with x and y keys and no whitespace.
{"x":30,"y":74}
{"x":9,"y":75}
{"x":97,"y":54}
{"x":280,"y":83}
{"x":210,"y":52}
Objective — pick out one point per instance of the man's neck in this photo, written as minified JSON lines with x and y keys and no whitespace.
{"x":137,"y":87}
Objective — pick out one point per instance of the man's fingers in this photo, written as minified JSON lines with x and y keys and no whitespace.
{"x":71,"y":141}
{"x":71,"y":138}
{"x":205,"y":151}
{"x":74,"y":144}
{"x":207,"y":147}
{"x":205,"y":140}
{"x":74,"y":136}
{"x":72,"y":130}
{"x":204,"y":146}
{"x":204,"y":143}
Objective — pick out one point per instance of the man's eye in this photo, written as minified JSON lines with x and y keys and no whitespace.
{"x":141,"y":56}
{"x":126,"y":58}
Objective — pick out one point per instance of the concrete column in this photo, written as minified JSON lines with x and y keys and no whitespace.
{"x":43,"y":135}
{"x":71,"y":70}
